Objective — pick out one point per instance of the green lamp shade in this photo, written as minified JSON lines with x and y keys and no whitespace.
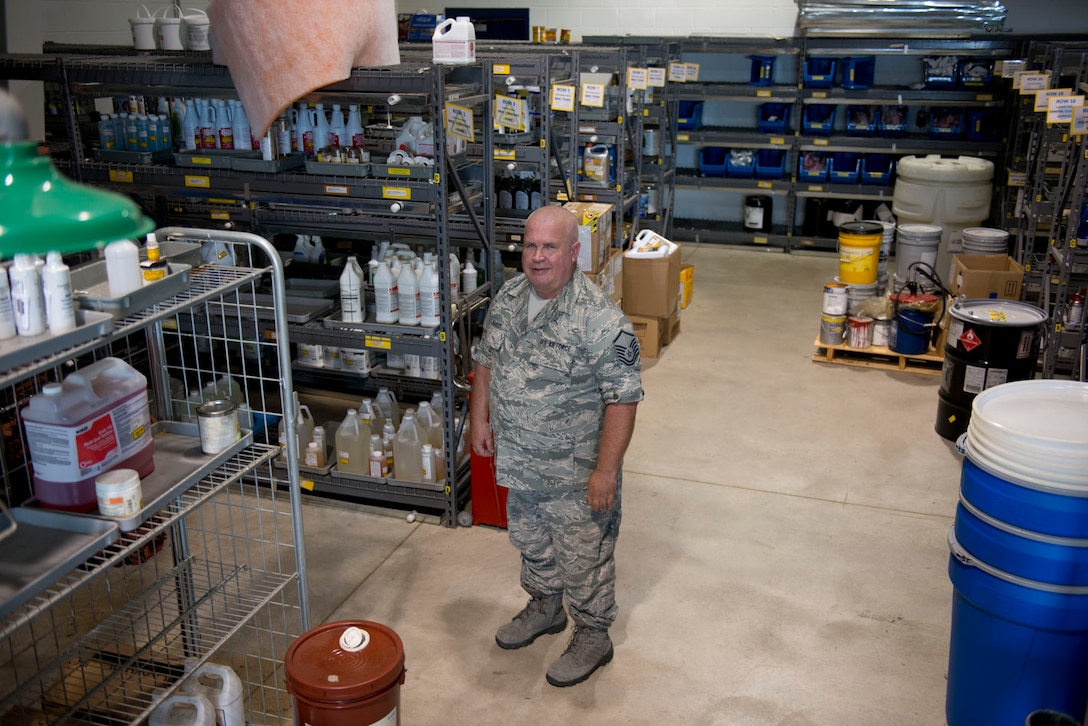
{"x":41,"y":210}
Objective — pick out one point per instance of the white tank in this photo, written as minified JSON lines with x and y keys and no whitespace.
{"x":953,"y":193}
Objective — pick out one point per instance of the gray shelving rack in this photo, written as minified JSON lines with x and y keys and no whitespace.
{"x":100,"y":618}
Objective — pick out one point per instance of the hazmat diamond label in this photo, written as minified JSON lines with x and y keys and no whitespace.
{"x":970,"y":340}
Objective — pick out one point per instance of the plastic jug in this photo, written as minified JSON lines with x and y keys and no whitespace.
{"x":309,"y":248}
{"x":354,"y":128}
{"x":209,"y":136}
{"x":353,"y":444}
{"x":454,"y":42}
{"x":224,"y":125}
{"x":351,"y":293}
{"x":372,"y":416}
{"x":96,"y":420}
{"x":430,"y":305}
{"x":428,"y":420}
{"x":184,"y":709}
{"x":408,"y":450}
{"x":408,"y":296}
{"x":190,"y":126}
{"x":223,"y":689}
{"x":387,"y":402}
{"x":386,"y":295}
{"x":243,"y":134}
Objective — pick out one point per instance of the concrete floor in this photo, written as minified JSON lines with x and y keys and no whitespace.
{"x":782,"y":558}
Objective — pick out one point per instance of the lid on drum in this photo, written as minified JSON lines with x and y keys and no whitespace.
{"x":861,"y":228}
{"x":1008,"y":313}
{"x":344,"y":660}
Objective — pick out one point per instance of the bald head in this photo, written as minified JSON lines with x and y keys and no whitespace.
{"x":550,"y":250}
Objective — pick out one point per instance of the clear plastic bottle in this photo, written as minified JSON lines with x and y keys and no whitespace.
{"x":351,"y":293}
{"x":371,"y":415}
{"x":57,"y":291}
{"x":153,"y":129}
{"x":468,"y":278}
{"x":314,"y":457}
{"x":377,"y":464}
{"x":352,"y":441}
{"x":429,"y":423}
{"x":243,"y":134}
{"x":190,"y":127}
{"x":389,"y":433}
{"x":123,"y":267}
{"x":387,"y":402}
{"x":132,"y":132}
{"x":430,"y":305}
{"x":408,"y":297}
{"x":319,"y":438}
{"x":407,"y":450}
{"x":386,"y":295}
{"x":118,"y":130}
{"x":107,"y":139}
{"x":455,"y":276}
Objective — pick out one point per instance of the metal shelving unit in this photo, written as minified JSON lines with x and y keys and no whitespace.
{"x":214,"y":571}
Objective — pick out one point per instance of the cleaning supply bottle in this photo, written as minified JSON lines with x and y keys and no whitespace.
{"x":455,"y":276}
{"x":386,"y":295}
{"x":321,"y":127}
{"x":7,"y":312}
{"x":408,"y":297}
{"x":354,"y":127}
{"x":123,"y":268}
{"x":190,"y":127}
{"x":387,"y":402}
{"x":427,"y":464}
{"x":407,"y":449}
{"x":107,"y":139}
{"x":468,"y":278}
{"x":57,"y":291}
{"x":223,"y":689}
{"x":209,"y":130}
{"x":304,"y":130}
{"x":337,"y":129}
{"x":26,"y":295}
{"x":154,"y":267}
{"x":430,"y":305}
{"x":240,"y":130}
{"x":224,"y":125}
{"x":118,"y":131}
{"x":352,"y":442}
{"x":351,"y":293}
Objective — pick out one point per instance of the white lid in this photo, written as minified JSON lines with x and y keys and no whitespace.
{"x":936,"y":168}
{"x":119,"y":478}
{"x":52,"y":389}
{"x":354,"y":639}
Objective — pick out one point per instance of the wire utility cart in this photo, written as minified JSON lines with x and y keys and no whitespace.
{"x":101,"y":618}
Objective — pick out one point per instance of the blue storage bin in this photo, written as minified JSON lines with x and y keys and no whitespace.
{"x":774,"y":118}
{"x":982,"y":124}
{"x":689,"y":115}
{"x":812,"y":167}
{"x":857,"y":73}
{"x":940,"y":71}
{"x":712,"y":160}
{"x":844,"y":167}
{"x":820,"y":72}
{"x":892,"y":121}
{"x":976,"y":72}
{"x":861,"y":120}
{"x":877,"y":169}
{"x":770,"y":164}
{"x":762,"y":70}
{"x":818,"y":119}
{"x":945,"y":122}
{"x":740,"y":171}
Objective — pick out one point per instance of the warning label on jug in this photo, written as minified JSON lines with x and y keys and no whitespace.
{"x":71,"y":453}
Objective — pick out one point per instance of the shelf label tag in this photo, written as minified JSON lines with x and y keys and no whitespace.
{"x":815,"y":187}
{"x":1059,"y":110}
{"x":763,"y":94}
{"x":1031,"y":82}
{"x":398,"y":171}
{"x":691,"y":72}
{"x":270,"y":334}
{"x":338,"y":190}
{"x":204,"y":160}
{"x":820,"y":142}
{"x":222,"y":216}
{"x":819,"y":94}
{"x":683,"y":137}
{"x":636,"y":78}
{"x":506,"y":154}
{"x":1079,"y":122}
{"x":677,"y":72}
{"x":500,"y":69}
{"x":307,"y":484}
{"x":760,"y":240}
{"x":170,"y":323}
{"x":778,"y":140}
{"x":396,"y":193}
{"x":562,"y":196}
{"x":459,"y":122}
{"x":562,"y":98}
{"x":511,"y":113}
{"x":1042,"y":98}
{"x":655,"y":77}
{"x":201,"y":182}
{"x":764,"y":185}
{"x":983,"y":97}
{"x":592,"y":95}
{"x":377,"y":341}
{"x":120,"y":177}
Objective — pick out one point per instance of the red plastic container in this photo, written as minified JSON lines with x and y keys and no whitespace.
{"x":488,"y":498}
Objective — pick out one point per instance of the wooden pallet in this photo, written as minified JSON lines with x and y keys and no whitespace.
{"x":879,"y":356}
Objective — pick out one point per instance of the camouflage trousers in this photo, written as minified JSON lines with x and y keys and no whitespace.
{"x":566,"y":548}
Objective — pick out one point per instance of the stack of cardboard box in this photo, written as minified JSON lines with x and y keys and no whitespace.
{"x":651,"y":299}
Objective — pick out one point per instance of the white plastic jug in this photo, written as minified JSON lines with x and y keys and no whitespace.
{"x":195,"y":30}
{"x":183,"y":709}
{"x":222,"y":688}
{"x":143,"y":29}
{"x":454,"y":42}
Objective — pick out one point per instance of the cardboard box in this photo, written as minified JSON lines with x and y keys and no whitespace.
{"x":671,"y":328}
{"x":651,"y":285}
{"x":687,"y":284}
{"x":594,"y":233}
{"x":986,"y":276}
{"x":649,"y":331}
{"x":610,"y":277}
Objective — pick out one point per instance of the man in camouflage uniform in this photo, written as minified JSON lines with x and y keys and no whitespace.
{"x":558,"y":369}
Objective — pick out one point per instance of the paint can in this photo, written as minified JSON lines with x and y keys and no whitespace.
{"x":832,"y":329}
{"x":882,"y":330}
{"x":835,"y":299}
{"x":859,"y":332}
{"x":217,"y":422}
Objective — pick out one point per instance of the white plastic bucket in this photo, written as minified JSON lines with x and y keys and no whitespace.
{"x":168,"y":28}
{"x":985,"y":241}
{"x":916,"y":243}
{"x":143,"y":29}
{"x":195,"y":29}
{"x":951,"y":192}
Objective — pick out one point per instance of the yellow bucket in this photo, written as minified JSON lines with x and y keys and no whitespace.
{"x":859,"y":252}
{"x":687,"y":285}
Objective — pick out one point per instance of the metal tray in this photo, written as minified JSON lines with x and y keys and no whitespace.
{"x":20,"y":350}
{"x":245,"y":163}
{"x":183,"y":253}
{"x":91,"y":288}
{"x":179,"y":464}
{"x":303,"y":287}
{"x":213,"y":158}
{"x":299,"y":309}
{"x":46,"y":545}
{"x":334,"y":322}
{"x":332,"y":168}
{"x":132,"y":157}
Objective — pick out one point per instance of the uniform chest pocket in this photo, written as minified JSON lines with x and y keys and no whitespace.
{"x":551,"y":363}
